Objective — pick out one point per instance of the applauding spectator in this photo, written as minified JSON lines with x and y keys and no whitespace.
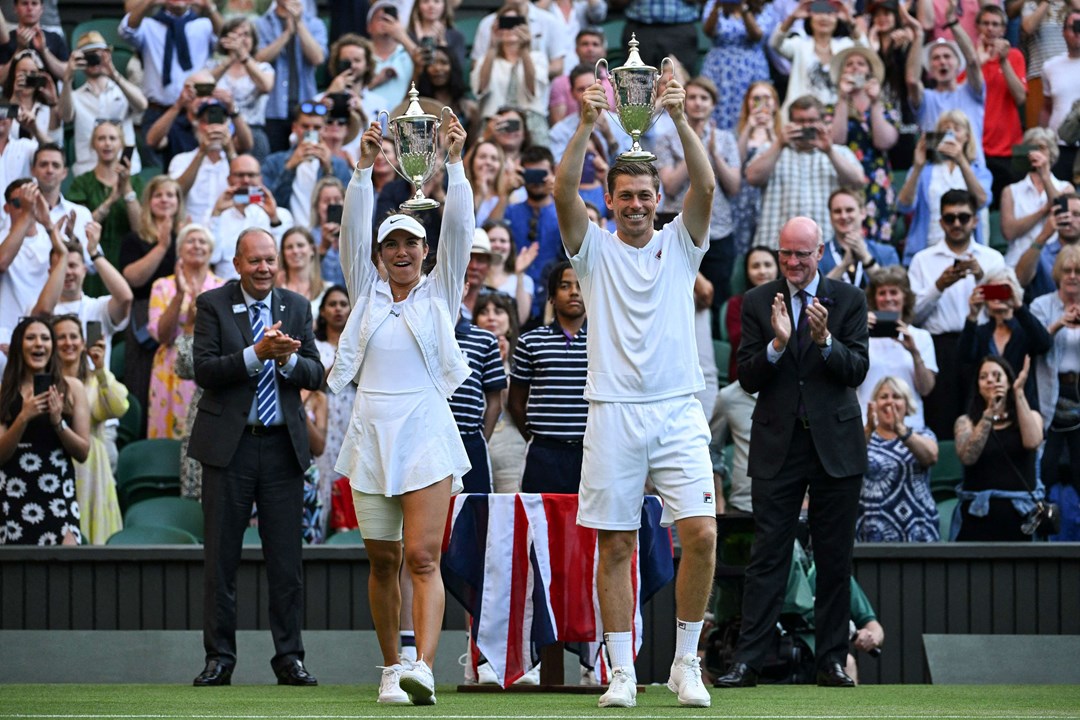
{"x":30,"y":35}
{"x":24,"y":251}
{"x":849,"y":255}
{"x":203,"y":173}
{"x":1006,"y":92}
{"x":1026,"y":205}
{"x":431,"y":24}
{"x":33,"y":92}
{"x":395,"y":56}
{"x":248,"y":80}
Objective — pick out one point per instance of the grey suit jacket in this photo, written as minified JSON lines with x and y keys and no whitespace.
{"x":827,"y":386}
{"x":221,"y":334}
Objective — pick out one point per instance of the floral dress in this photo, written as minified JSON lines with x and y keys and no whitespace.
{"x":170,"y":396}
{"x":746,"y":207}
{"x":339,"y":415}
{"x":734,"y":62}
{"x":880,"y":197}
{"x":37,"y":489}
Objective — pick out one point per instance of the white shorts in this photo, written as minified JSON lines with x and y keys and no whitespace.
{"x":665,"y":440}
{"x":378,"y":517}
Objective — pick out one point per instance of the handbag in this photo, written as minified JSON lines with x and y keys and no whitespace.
{"x":1044,"y":519}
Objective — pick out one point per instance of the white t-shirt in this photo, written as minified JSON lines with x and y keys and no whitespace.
{"x":15,"y":160}
{"x":889,"y":357}
{"x":23,"y":281}
{"x":641,"y":340}
{"x":1061,"y":83}
{"x":227,"y":226}
{"x":210,"y":181}
{"x":111,"y":104}
{"x":88,"y":308}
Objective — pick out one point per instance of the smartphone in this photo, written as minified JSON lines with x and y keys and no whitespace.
{"x":42,"y":383}
{"x":333,"y":213}
{"x":1076,"y":27}
{"x":588,"y":170}
{"x":35,"y":80}
{"x":428,"y":45}
{"x":255,"y":194}
{"x":311,"y":136}
{"x":997,"y":292}
{"x":858,"y":81}
{"x":933,"y":139}
{"x":1061,"y":205}
{"x":215,"y":115}
{"x":511,"y":125}
{"x":535,"y":176}
{"x":822,"y":6}
{"x":886,"y":324}
{"x":241,"y":197}
{"x":204,"y":89}
{"x":390,"y":11}
{"x":1021,"y":163}
{"x":507,"y":22}
{"x":129,"y":150}
{"x":11,"y":112}
{"x":93,"y":332}
{"x":808,"y":134}
{"x":92,"y":57}
{"x":340,"y":106}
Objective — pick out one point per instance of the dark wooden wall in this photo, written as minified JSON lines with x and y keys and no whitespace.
{"x":916,"y":589}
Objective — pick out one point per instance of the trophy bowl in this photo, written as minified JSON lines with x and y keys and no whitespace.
{"x":416,"y":139}
{"x":636,"y":85}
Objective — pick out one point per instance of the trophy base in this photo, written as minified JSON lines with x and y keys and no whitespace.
{"x":418,"y":204}
{"x":637,"y":156}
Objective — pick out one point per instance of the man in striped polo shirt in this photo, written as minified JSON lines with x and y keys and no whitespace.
{"x":547,"y":386}
{"x":476,"y":404}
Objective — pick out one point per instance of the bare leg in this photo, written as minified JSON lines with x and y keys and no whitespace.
{"x":613,"y":579}
{"x":425,"y":521}
{"x":696,"y":567}
{"x":384,"y":594}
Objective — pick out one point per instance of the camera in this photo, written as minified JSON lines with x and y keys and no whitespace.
{"x":215,"y":114}
{"x":427,"y":44}
{"x":92,"y":58}
{"x":808,"y":134}
{"x":204,"y":89}
{"x":1044,"y":519}
{"x":508,"y":22}
{"x":858,"y":81}
{"x":35,"y":80}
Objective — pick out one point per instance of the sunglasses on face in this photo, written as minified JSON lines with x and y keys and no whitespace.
{"x":951,"y":218}
{"x":338,"y":121}
{"x":310,"y":108}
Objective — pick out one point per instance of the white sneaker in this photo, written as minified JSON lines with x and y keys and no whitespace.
{"x":622,"y":692}
{"x":418,"y":681}
{"x":485,"y":675}
{"x":588,"y":676}
{"x":530,"y":678}
{"x":390,"y":686}
{"x":685,"y":680}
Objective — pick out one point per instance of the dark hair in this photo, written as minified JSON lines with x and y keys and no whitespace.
{"x":595,"y":31}
{"x":959,"y":197}
{"x":320,"y":321}
{"x":631,"y":169}
{"x":991,"y":9}
{"x":510,"y":263}
{"x":15,"y":185}
{"x":555,"y":277}
{"x":455,"y":85}
{"x":806,"y":102}
{"x":537,"y":154}
{"x":978,"y":405}
{"x":751,"y":251}
{"x":11,"y":385}
{"x":9,"y":84}
{"x":507,"y":303}
{"x":891,"y":276}
{"x":83,"y":370}
{"x":47,"y":147}
{"x":579,"y":70}
{"x":231,"y":25}
{"x":345,"y":41}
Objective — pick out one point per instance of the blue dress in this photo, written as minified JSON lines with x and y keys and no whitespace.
{"x":734,"y":62}
{"x":896,"y":504}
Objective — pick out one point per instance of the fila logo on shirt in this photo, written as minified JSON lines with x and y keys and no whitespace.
{"x":706,"y":497}
{"x":659,"y":253}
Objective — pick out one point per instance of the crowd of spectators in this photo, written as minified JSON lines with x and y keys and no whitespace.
{"x":935,"y":148}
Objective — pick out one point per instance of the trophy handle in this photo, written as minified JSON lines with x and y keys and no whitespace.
{"x":438,"y":127}
{"x":596,"y":70}
{"x":382,"y":152}
{"x":656,"y":115}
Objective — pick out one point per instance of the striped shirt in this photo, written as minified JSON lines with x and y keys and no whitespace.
{"x":555,"y":368}
{"x":482,"y":352}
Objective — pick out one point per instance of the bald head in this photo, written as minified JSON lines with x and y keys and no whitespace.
{"x":801,"y":248}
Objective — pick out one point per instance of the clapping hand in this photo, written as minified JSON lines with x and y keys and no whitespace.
{"x":781,"y":323}
{"x":817,"y":316}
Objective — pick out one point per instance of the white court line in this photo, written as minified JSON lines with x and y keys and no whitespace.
{"x":681,"y":716}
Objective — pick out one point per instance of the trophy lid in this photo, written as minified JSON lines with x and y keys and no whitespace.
{"x":415,"y":110}
{"x":633,"y":58}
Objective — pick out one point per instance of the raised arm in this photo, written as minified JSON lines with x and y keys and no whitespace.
{"x":570,"y":208}
{"x":697,"y":208}
{"x":459,"y":220}
{"x":355,"y":241}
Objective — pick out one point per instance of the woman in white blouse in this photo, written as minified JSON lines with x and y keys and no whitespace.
{"x":1025,"y":205}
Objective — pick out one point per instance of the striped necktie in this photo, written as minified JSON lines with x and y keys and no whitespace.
{"x":266,"y":393}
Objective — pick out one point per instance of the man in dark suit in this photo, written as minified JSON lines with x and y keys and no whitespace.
{"x":254,"y":351}
{"x":804,"y":350}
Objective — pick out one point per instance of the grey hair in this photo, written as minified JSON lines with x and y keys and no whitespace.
{"x":1004,"y":276}
{"x":250,"y":231}
{"x":901,"y":386}
{"x":195,"y":227}
{"x":1044,"y":136}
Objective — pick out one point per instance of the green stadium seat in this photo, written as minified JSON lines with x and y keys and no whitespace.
{"x":947,"y":473}
{"x":148,"y":468}
{"x":130,"y":422}
{"x":149,"y":173}
{"x":721,"y":314}
{"x":152,"y":536}
{"x":116,"y":359}
{"x":738,"y":275}
{"x":945,"y":510}
{"x":346,"y":537}
{"x":251,"y":536}
{"x":182,"y":513}
{"x":722,"y":353}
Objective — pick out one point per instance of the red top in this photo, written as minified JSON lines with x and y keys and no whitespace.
{"x":1002,"y":128}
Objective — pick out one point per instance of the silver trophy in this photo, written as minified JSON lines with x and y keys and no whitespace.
{"x":416,"y":137}
{"x":636,"y":85}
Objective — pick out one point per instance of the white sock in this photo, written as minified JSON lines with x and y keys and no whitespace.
{"x":620,"y":648}
{"x":687,"y":636}
{"x":408,"y":645}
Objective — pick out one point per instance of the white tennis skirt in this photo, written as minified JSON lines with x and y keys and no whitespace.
{"x":400,"y":442}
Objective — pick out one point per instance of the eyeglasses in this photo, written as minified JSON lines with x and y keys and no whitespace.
{"x":338,"y":121}
{"x":311,"y":108}
{"x":797,"y":254}
{"x":111,"y":121}
{"x":951,"y":218}
{"x":1070,"y":270}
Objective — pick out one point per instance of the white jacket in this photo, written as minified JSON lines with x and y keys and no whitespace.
{"x":433,"y":304}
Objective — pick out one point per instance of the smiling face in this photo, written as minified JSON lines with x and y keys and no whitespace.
{"x":884,"y":19}
{"x":889,"y":298}
{"x":1069,"y":284}
{"x":194,"y":250}
{"x":256,"y":262}
{"x":800,"y":251}
{"x":633,"y":205}
{"x":74,"y":273}
{"x":760,"y":268}
{"x":493,"y":317}
{"x":823,"y":23}
{"x":165,"y":201}
{"x":845,"y":213}
{"x":438,"y":69}
{"x":432,"y":10}
{"x":485,"y":162}
{"x":335,"y":310}
{"x":69,"y":341}
{"x":699,"y":103}
{"x":993,"y":382}
{"x":500,"y":242}
{"x":297,"y":251}
{"x":49,"y":170}
{"x":37,"y":347}
{"x":403,"y":255}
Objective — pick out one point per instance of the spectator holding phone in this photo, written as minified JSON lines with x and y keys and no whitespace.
{"x":534,"y":221}
{"x":15,"y":152}
{"x":758,"y":127}
{"x":511,"y":136}
{"x":291,"y":174}
{"x":245,"y":203}
{"x":203,"y":173}
{"x":891,"y":35}
{"x":95,"y":486}
{"x":106,"y":94}
{"x":1027,"y":205}
{"x":110,"y":188}
{"x":51,"y":46}
{"x":513,"y":72}
{"x":247,"y":80}
{"x":737,"y":57}
{"x":1011,"y":331}
{"x":292,"y":39}
{"x":1034,"y":269}
{"x":431,"y":25}
{"x":898,"y":349}
{"x":327,"y":203}
{"x":493,"y":178}
{"x":352,"y":67}
{"x":33,"y":92}
{"x":396,"y":56}
{"x":947,"y":159}
{"x":43,"y":417}
{"x":443,"y":80}
{"x":1061,"y":88}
